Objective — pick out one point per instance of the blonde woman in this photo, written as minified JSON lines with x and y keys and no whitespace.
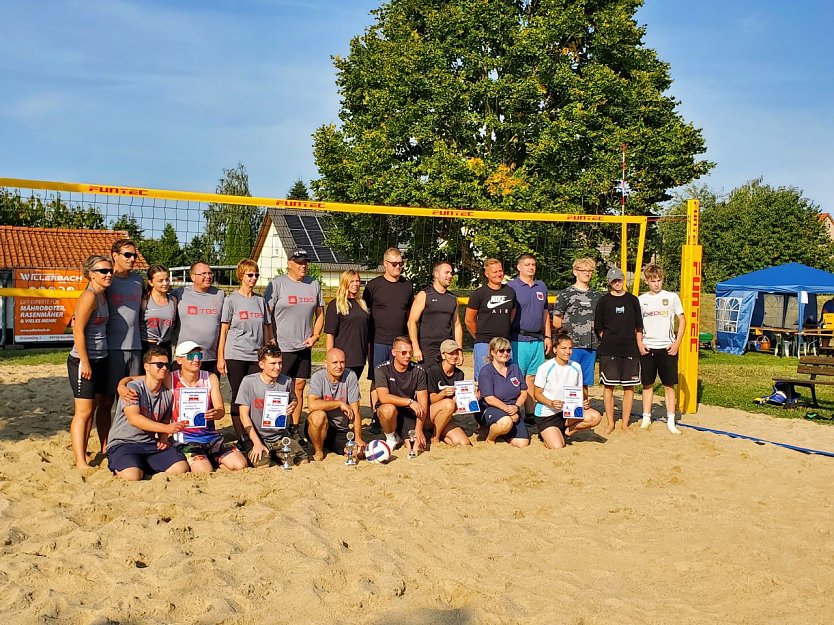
{"x":87,"y":362}
{"x":244,"y":329}
{"x":503,"y":393}
{"x":346,"y":322}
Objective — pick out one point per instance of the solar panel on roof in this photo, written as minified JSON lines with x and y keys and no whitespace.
{"x":309,"y":232}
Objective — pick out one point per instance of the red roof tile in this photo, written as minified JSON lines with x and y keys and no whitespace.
{"x":55,"y":248}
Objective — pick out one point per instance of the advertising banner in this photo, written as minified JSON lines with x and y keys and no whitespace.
{"x":45,"y":319}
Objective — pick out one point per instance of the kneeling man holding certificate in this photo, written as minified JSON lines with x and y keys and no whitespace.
{"x":265,"y":399}
{"x":561,"y":408}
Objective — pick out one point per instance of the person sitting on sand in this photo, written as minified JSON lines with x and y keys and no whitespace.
{"x":552,"y":377}
{"x":333,"y":401}
{"x":503,"y":393}
{"x":265,"y":435}
{"x":441,"y":378}
{"x":138,"y":444}
{"x":403,"y":396}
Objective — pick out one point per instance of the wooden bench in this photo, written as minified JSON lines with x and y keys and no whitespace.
{"x":812,"y":366}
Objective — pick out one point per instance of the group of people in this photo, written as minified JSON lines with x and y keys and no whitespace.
{"x":411,"y":342}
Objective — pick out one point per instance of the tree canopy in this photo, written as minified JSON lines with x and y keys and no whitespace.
{"x":46,"y":213}
{"x":501,"y":105}
{"x":755,"y":226}
{"x":231,"y":230}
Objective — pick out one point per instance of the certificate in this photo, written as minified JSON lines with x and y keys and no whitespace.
{"x":573,"y":399}
{"x":193,"y":406}
{"x":465,"y":398}
{"x":275,"y":410}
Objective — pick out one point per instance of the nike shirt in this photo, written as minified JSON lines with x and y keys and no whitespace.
{"x":494,"y":308}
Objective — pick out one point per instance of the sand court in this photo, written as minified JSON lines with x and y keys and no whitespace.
{"x":643,"y":527}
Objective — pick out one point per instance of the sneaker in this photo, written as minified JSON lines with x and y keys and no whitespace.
{"x":396,"y":445}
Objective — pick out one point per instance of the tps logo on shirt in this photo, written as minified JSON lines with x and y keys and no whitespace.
{"x":259,"y":403}
{"x":192,"y":310}
{"x":540,"y":296}
{"x":620,"y":310}
{"x":243,"y":315}
{"x":292,"y":300}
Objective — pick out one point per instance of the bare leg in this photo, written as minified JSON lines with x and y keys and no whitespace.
{"x":131,"y":474}
{"x":177,"y":468}
{"x":317,"y":431}
{"x":300,"y":384}
{"x":529,"y":403}
{"x":441,"y":414}
{"x":608,"y":401}
{"x":628,"y":401}
{"x":82,"y":422}
{"x":234,"y":461}
{"x":200,"y":464}
{"x":553,"y":438}
{"x":499,"y":428}
{"x":455,"y":436}
{"x":104,"y":419}
{"x":648,"y":400}
{"x":591,"y":420}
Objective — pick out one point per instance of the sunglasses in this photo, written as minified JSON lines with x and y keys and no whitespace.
{"x":104,"y":272}
{"x":503,"y":350}
{"x":160,"y":365}
{"x":194,"y":356}
{"x":129,"y":255}
{"x":252,"y":275}
{"x":403,"y":352}
{"x":395,"y":263}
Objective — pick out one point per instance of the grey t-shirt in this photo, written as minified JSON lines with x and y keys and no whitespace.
{"x":246,"y":317}
{"x":199,"y":317}
{"x":292,"y":305}
{"x":95,"y":332}
{"x":576,"y":308}
{"x":157,"y":407}
{"x":158,"y":321}
{"x":346,"y":389}
{"x":124,"y":298}
{"x":252,"y":392}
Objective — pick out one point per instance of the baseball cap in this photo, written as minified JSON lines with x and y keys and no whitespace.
{"x":614,"y":274}
{"x":448,"y":346}
{"x":186,"y":347}
{"x":299,"y":255}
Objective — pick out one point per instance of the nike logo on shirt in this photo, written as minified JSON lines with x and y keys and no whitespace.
{"x":497,"y":300}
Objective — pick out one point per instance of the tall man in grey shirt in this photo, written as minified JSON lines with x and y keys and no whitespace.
{"x":293,"y":300}
{"x":199,"y":306}
{"x":124,"y":345}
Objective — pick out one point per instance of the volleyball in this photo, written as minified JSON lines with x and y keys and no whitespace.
{"x":377,"y":452}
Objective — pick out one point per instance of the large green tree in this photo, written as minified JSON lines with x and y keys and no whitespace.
{"x":755,"y":226}
{"x":499,"y":105}
{"x":231,"y":230}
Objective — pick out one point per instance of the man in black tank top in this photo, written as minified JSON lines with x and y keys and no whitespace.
{"x":434,"y":316}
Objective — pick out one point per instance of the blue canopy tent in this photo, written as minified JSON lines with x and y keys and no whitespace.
{"x":776,"y":297}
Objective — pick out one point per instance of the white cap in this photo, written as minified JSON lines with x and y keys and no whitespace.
{"x":186,"y":347}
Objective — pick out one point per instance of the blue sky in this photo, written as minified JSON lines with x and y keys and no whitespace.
{"x":167,"y":94}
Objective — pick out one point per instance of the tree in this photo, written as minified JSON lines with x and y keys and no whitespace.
{"x":165,"y":250}
{"x":503,"y":105}
{"x":754,"y":227}
{"x":231,"y":229}
{"x":298,"y":191}
{"x":51,"y":213}
{"x":130,"y":224}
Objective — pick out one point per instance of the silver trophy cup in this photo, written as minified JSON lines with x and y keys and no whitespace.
{"x":285,"y":449}
{"x":412,"y":453}
{"x":351,"y":447}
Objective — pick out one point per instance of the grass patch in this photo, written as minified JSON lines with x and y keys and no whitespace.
{"x":35,"y":356}
{"x":734,"y":381}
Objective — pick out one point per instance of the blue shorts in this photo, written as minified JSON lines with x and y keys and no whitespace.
{"x":587,"y":359}
{"x":480,"y":351}
{"x":492,"y":415}
{"x":528,"y":355}
{"x":144,"y":456}
{"x":379,"y":354}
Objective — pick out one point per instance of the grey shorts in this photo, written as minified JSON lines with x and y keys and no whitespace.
{"x":120,"y":364}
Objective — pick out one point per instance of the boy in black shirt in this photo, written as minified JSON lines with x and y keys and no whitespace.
{"x":618,"y":321}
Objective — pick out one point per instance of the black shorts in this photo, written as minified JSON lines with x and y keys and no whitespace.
{"x":619,"y":370}
{"x":297,"y":364}
{"x":87,"y":389}
{"x":144,"y":456}
{"x":358,"y":371}
{"x":553,"y":421}
{"x":236,"y":370}
{"x":658,"y":361}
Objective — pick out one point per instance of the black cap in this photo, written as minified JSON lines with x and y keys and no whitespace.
{"x":299,"y":255}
